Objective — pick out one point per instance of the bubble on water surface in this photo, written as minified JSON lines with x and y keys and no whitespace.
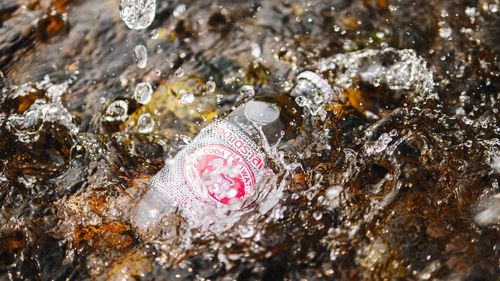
{"x":145,"y":124}
{"x":143,"y":93}
{"x":137,"y":14}
{"x":140,"y":56}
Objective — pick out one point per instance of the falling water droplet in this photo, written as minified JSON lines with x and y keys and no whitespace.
{"x":145,"y":123}
{"x":140,"y":56}
{"x":137,"y":14}
{"x":117,"y":111}
{"x":143,"y":92}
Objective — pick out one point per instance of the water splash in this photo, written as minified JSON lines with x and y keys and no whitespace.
{"x":399,"y":70}
{"x":28,"y":124}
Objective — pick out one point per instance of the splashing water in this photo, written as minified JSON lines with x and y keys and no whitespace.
{"x":398,"y":69}
{"x":28,"y":125}
{"x":387,"y":156}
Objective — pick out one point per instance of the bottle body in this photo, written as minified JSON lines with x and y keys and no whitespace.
{"x":220,"y":169}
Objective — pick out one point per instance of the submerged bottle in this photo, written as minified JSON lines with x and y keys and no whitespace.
{"x":222,"y":166}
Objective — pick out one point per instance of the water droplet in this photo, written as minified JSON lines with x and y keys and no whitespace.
{"x":210,"y":85}
{"x":317,"y":215}
{"x":179,"y":72}
{"x":187,"y":97}
{"x":318,"y":99}
{"x":154,"y":34}
{"x":445,"y":32}
{"x":143,"y":92}
{"x":247,"y":91}
{"x":137,"y":14}
{"x":255,"y":50}
{"x":219,"y":98}
{"x":117,"y":111}
{"x":302,"y":101}
{"x":179,"y":10}
{"x":140,"y":56}
{"x":333,"y":192}
{"x":145,"y":123}
{"x":468,"y":143}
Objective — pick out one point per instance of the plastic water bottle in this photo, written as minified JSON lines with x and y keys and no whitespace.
{"x":222,"y":166}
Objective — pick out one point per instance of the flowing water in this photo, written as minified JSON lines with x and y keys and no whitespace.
{"x":399,"y":181}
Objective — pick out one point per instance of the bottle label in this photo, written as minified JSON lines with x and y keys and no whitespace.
{"x":219,"y":172}
{"x":220,"y":167}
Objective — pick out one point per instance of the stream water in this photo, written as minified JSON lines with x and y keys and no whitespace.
{"x":400,"y":180}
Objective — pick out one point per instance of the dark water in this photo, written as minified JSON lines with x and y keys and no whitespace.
{"x":399,"y":183}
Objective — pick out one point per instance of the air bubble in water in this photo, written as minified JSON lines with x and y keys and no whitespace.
{"x":143,"y":92}
{"x":137,"y":14}
{"x":145,"y":123}
{"x":117,"y":111}
{"x":187,"y":97}
{"x":140,"y":56}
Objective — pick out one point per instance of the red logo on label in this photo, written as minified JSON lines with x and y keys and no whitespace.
{"x":217,"y":172}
